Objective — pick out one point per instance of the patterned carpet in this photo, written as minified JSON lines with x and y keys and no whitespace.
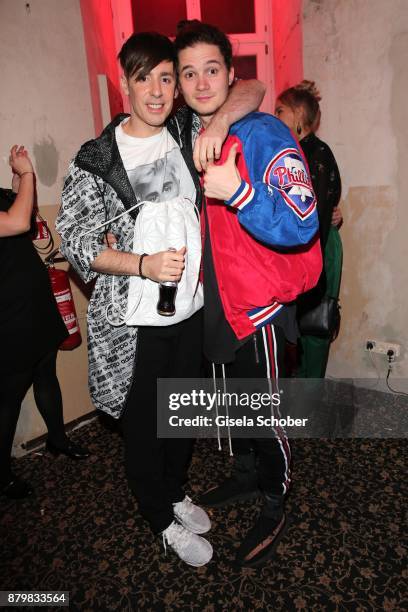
{"x":345,"y":548}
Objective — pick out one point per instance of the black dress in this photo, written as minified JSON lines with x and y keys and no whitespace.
{"x":30,"y":324}
{"x":326,"y":183}
{"x":326,"y":180}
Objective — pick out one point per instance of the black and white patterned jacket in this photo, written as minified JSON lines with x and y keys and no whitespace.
{"x":95,"y":190}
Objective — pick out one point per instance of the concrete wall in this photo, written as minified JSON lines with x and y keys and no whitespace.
{"x":45,"y":95}
{"x":45,"y":104}
{"x":357,"y":51}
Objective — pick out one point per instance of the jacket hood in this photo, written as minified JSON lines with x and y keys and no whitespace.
{"x":101,"y":157}
{"x":98,"y":154}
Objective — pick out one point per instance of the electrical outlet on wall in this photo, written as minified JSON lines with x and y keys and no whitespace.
{"x":382,"y":348}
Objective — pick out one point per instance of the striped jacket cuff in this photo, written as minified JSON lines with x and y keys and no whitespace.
{"x":242,"y":196}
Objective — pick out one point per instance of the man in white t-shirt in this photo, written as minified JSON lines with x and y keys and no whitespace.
{"x":137,"y":158}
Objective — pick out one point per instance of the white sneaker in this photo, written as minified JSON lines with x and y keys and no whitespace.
{"x":192,"y":517}
{"x":191,"y":548}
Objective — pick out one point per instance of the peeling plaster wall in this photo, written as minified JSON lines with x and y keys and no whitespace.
{"x":45,"y":104}
{"x":357,"y":51}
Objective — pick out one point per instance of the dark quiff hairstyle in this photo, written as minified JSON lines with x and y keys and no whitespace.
{"x":306,"y":95}
{"x":143,"y":52}
{"x":193,"y":32}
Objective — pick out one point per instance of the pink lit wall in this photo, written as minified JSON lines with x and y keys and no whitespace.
{"x":287,"y":43}
{"x":101,"y":55}
{"x":108,"y":23}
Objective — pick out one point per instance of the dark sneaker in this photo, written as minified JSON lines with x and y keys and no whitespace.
{"x":230,"y":491}
{"x":68,"y":448}
{"x":260,"y":543}
{"x":240,"y":486}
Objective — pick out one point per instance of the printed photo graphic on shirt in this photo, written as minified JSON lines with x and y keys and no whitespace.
{"x":287,"y":173}
{"x":157,"y":181}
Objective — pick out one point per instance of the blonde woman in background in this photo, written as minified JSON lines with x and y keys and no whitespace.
{"x":298,"y":107}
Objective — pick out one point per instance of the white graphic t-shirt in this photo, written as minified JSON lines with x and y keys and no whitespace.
{"x":168,"y":219}
{"x":155,"y":166}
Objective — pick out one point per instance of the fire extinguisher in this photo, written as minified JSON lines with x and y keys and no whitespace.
{"x":42,"y":231}
{"x":63,"y":296}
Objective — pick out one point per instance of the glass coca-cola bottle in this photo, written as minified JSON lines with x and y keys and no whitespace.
{"x":166,"y":306}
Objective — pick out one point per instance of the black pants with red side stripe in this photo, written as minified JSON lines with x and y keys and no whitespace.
{"x":262,"y":356}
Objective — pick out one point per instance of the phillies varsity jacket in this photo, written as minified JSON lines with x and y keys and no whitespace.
{"x":264,"y":240}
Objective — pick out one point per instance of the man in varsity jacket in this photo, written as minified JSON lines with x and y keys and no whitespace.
{"x":261,"y":250}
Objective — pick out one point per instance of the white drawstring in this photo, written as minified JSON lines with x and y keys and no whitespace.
{"x":271,"y":391}
{"x":125,"y":212}
{"x":117,"y":322}
{"x":226,"y":408}
{"x":115,"y":308}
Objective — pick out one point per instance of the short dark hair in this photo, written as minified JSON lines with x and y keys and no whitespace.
{"x":144,"y":51}
{"x":190,"y":33}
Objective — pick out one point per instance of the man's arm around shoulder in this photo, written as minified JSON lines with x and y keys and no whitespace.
{"x":244,"y":97}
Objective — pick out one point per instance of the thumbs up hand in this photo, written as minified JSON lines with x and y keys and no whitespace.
{"x":223,"y":180}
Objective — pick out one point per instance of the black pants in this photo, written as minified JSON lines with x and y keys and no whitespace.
{"x":157,"y":468}
{"x":47,"y":395}
{"x":263,"y":356}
